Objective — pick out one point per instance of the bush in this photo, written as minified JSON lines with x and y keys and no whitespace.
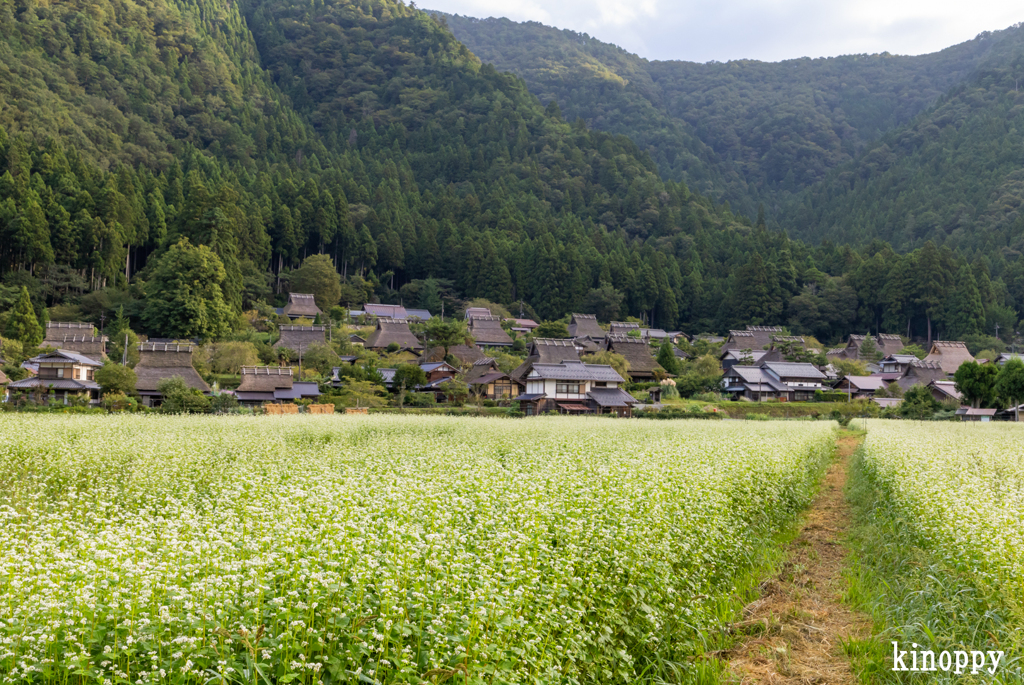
{"x":118,"y":401}
{"x":830,"y":396}
{"x":179,"y":398}
{"x":709,"y":397}
{"x":420,"y":399}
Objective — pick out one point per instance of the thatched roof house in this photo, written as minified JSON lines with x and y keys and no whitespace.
{"x":623,"y":328}
{"x":301,"y":338}
{"x":581,"y":325}
{"x":487,"y":332}
{"x":301,"y":304}
{"x":466,"y":354}
{"x":75,"y":336}
{"x":753,"y":338}
{"x":546,"y":351}
{"x":491,"y":382}
{"x":949,"y":354}
{"x":386,"y":311}
{"x":921,"y":372}
{"x":393,"y":331}
{"x":261,"y":384}
{"x":160,"y":361}
{"x":642,"y":365}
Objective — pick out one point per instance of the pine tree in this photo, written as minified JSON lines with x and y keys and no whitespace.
{"x":22,"y":323}
{"x":965,"y":313}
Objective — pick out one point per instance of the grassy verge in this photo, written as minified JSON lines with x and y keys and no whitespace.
{"x":913,"y":597}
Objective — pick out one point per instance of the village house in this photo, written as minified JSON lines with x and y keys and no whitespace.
{"x":273,"y":385}
{"x":1007,"y":356}
{"x":753,"y":338}
{"x":299,"y":339}
{"x":438,"y":374}
{"x":920,"y":372}
{"x":524,"y":326}
{"x":885,"y":345}
{"x":623,"y":328}
{"x":488,"y":333}
{"x":975,"y":414}
{"x":466,"y":355}
{"x":943,"y":391}
{"x":393,"y":332}
{"x":61,"y":375}
{"x":655,"y":335}
{"x":897,"y":363}
{"x":161,"y":361}
{"x":585,"y":325}
{"x":75,"y":337}
{"x":573,"y":387}
{"x":545,"y":351}
{"x":473,"y":312}
{"x":732,"y":357}
{"x":485,"y":379}
{"x":861,"y":387}
{"x":301,"y":305}
{"x":752,"y":383}
{"x":357,"y":340}
{"x":949,"y":355}
{"x":801,"y":380}
{"x":642,"y":365}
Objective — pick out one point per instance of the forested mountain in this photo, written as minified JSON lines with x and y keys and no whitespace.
{"x":269,"y":131}
{"x":743,"y":131}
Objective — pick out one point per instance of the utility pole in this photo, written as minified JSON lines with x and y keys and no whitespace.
{"x":124,"y":355}
{"x":103,"y":317}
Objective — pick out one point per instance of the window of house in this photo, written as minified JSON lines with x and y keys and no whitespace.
{"x":563,"y":388}
{"x":600,"y":384}
{"x":60,"y":373}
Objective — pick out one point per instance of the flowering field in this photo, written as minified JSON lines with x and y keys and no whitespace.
{"x":380,"y":549}
{"x":960,"y":486}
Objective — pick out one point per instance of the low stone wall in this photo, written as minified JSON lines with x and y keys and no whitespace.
{"x":320,"y":409}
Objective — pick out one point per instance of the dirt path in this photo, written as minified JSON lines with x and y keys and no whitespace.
{"x":796,"y":630}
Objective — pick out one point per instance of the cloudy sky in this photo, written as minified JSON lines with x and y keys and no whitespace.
{"x":703,"y":30}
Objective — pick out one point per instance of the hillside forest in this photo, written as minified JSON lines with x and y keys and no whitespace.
{"x":185,"y":161}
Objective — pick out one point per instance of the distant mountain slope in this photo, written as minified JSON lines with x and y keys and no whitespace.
{"x":955,"y":175}
{"x":745,"y":131}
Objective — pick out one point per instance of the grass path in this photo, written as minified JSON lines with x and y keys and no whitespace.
{"x":795,"y":632}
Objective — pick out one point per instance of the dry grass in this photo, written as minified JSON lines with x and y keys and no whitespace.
{"x":795,"y":632}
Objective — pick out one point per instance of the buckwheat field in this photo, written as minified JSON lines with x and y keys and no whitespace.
{"x":390,"y":549}
{"x":960,"y":488}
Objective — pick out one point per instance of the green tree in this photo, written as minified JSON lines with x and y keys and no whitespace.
{"x":850,"y":367}
{"x":120,"y":331}
{"x":915,"y":350}
{"x":446,"y":334}
{"x":667,"y":357}
{"x":229,"y":357}
{"x":1010,"y":384}
{"x":22,"y":323}
{"x":114,"y":378}
{"x":318,"y":276}
{"x":977,"y":383}
{"x":179,"y":398}
{"x":551,"y":329}
{"x":869,"y":350}
{"x":605,"y":302}
{"x":965,"y":313}
{"x":608,"y":358}
{"x":407,"y":377}
{"x":321,"y":358}
{"x":360,"y":393}
{"x":918,"y":403}
{"x":185,"y":296}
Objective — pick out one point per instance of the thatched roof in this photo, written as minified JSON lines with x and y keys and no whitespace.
{"x":466,"y":354}
{"x":585,"y":325}
{"x":921,"y":372}
{"x":160,"y":361}
{"x":301,"y":304}
{"x":298,"y":338}
{"x":949,"y":354}
{"x":885,"y":344}
{"x":90,"y":345}
{"x":265,"y":379}
{"x":753,"y":338}
{"x":487,"y":330}
{"x":622,"y":327}
{"x":482,"y":367}
{"x":546,"y":351}
{"x":637,"y":353}
{"x":61,"y":328}
{"x":392,"y":331}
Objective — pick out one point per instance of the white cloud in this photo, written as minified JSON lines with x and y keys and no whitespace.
{"x":703,"y":30}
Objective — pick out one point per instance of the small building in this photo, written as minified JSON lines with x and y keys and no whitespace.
{"x":887,"y":402}
{"x":1007,"y":356}
{"x":75,"y":336}
{"x":301,"y":305}
{"x":753,"y":338}
{"x":575,"y":388}
{"x":885,"y":345}
{"x":487,"y":332}
{"x":490,"y":382}
{"x":585,"y":325}
{"x":273,"y":385}
{"x":945,"y":390}
{"x":473,"y":312}
{"x":545,"y":351}
{"x":861,"y":387}
{"x":524,"y":326}
{"x":623,"y":328}
{"x":466,"y":355}
{"x":921,"y":372}
{"x":731,"y":357}
{"x":588,"y":345}
{"x":642,"y":365}
{"x":385,"y":311}
{"x":299,"y":339}
{"x":418,"y":315}
{"x":752,"y":383}
{"x":897,"y":363}
{"x":949,"y":354}
{"x":62,"y":374}
{"x":801,"y":380}
{"x":393,"y":331}
{"x":435,"y":371}
{"x":654,"y":334}
{"x":973,"y":414}
{"x":160,"y":361}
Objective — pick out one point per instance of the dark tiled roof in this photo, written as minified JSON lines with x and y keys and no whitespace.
{"x":532,"y":397}
{"x":55,"y":383}
{"x":489,"y":378}
{"x":65,"y":355}
{"x":611,"y":397}
{"x":576,"y":371}
{"x":388,"y":311}
{"x":794,"y":370}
